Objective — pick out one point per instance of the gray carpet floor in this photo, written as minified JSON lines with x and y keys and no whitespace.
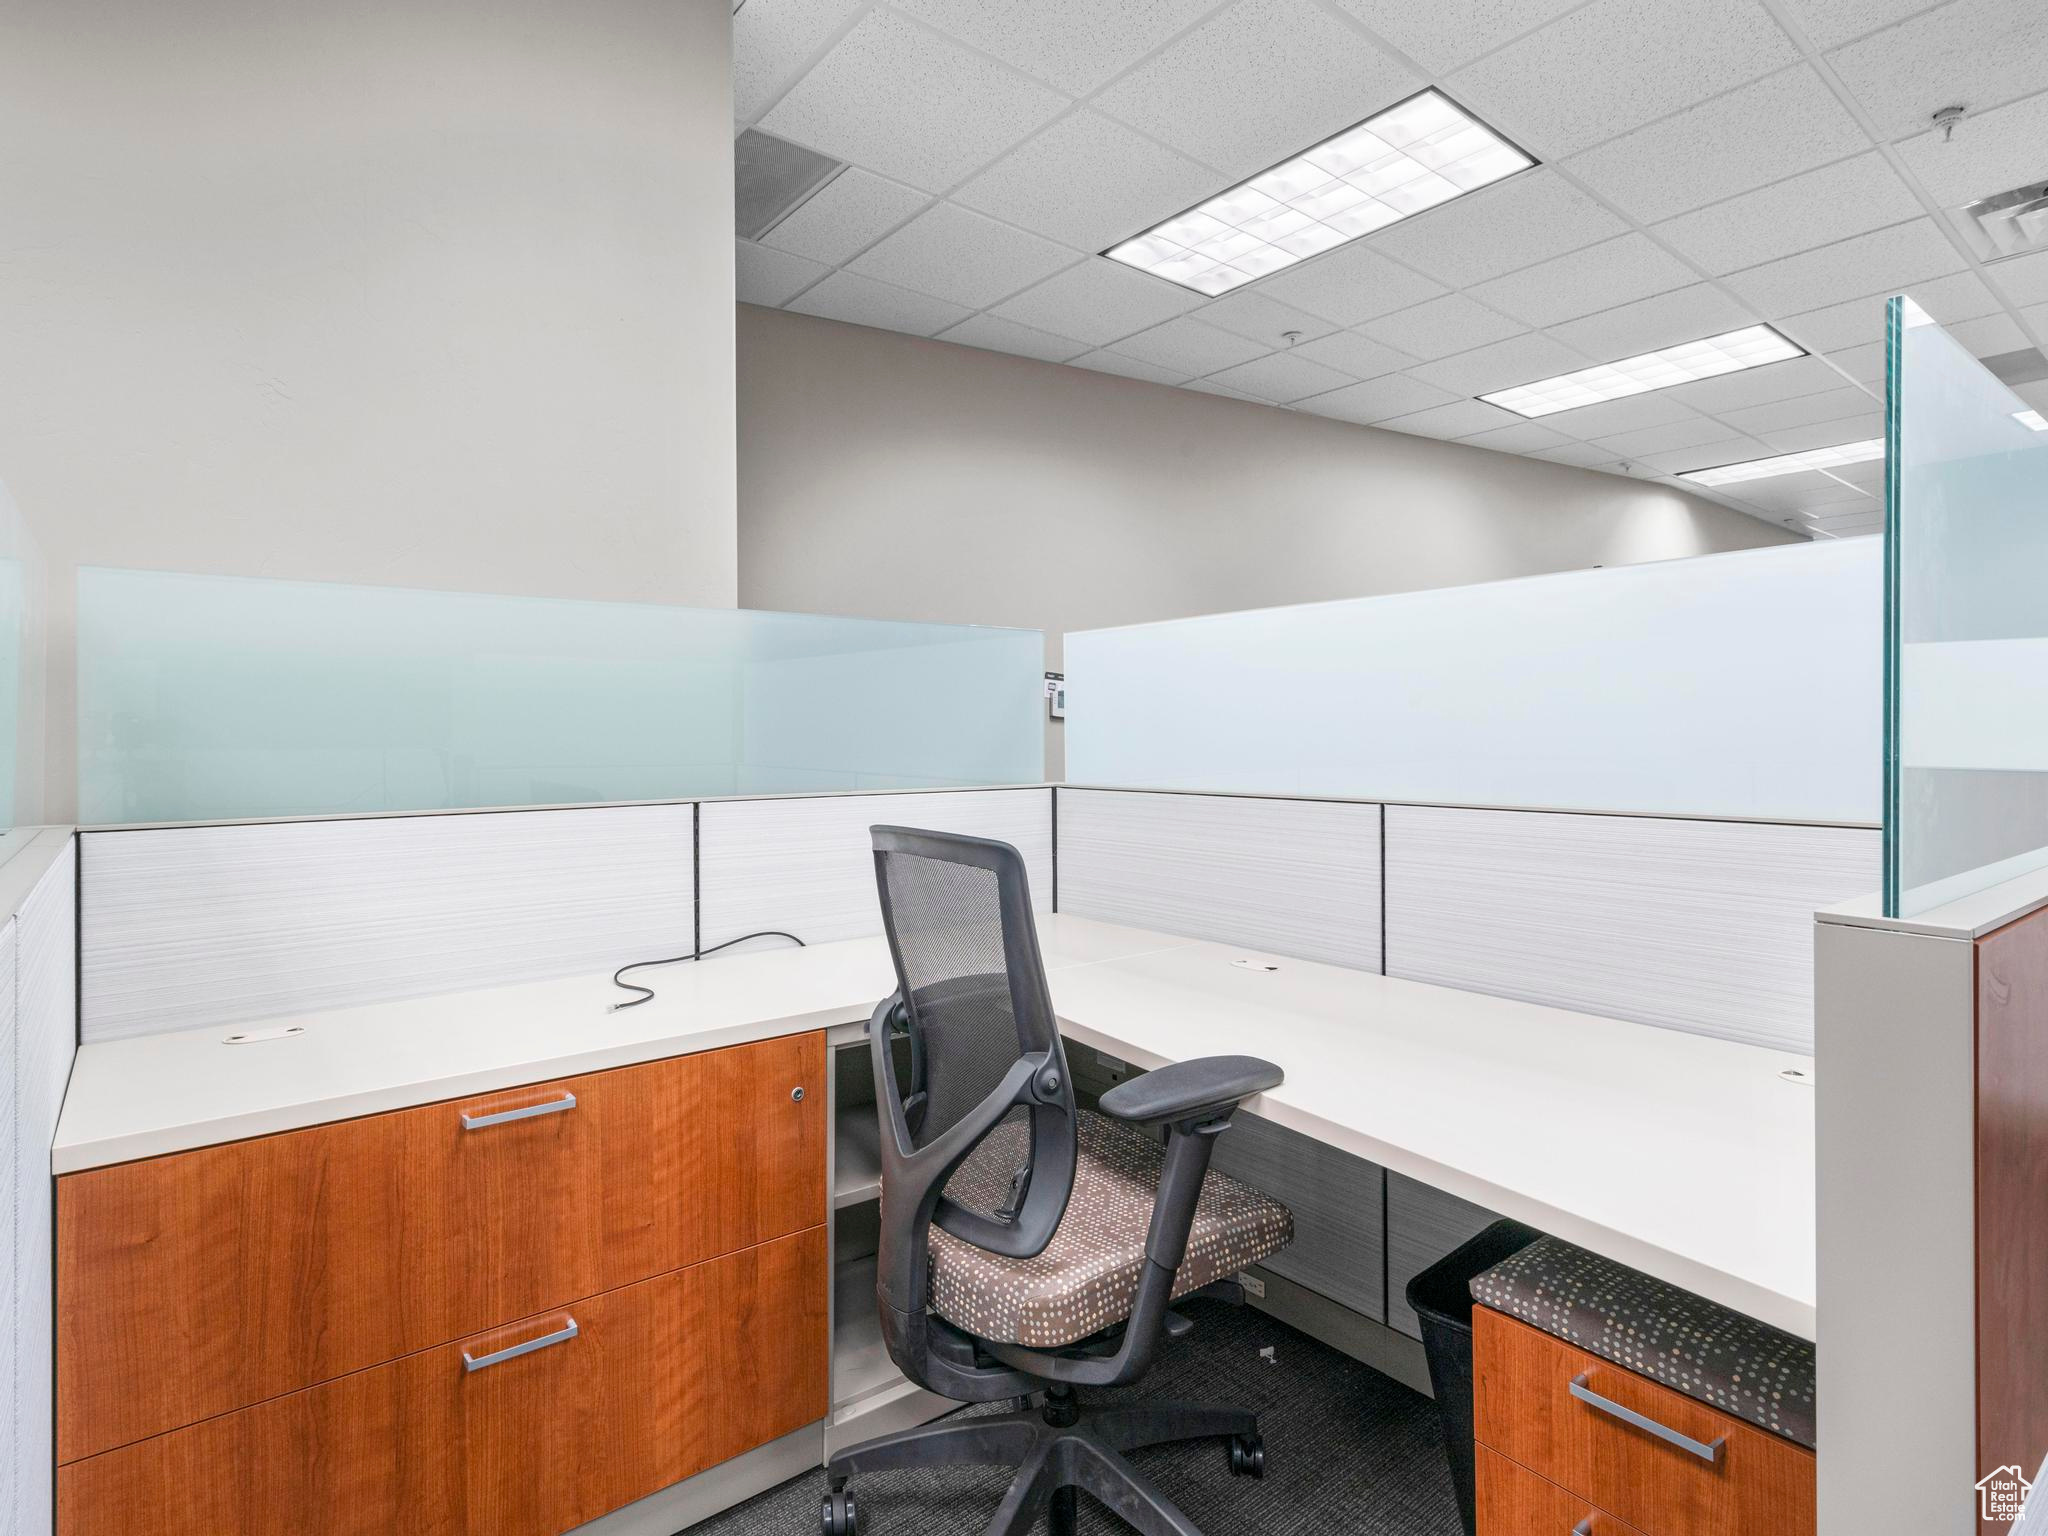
{"x":1347,"y":1450}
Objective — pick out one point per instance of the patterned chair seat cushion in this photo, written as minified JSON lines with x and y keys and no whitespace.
{"x":1087,"y":1277}
{"x":1691,"y":1345}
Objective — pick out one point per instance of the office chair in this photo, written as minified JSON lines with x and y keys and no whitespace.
{"x":1028,"y":1247}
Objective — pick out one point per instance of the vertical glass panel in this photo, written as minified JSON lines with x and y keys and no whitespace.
{"x":207,"y":697}
{"x":1966,"y":622}
{"x":1742,"y":684}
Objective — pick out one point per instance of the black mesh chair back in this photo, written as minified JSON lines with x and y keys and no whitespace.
{"x":979,"y":1121}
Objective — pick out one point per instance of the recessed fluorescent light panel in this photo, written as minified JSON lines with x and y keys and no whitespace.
{"x":1737,"y":350}
{"x":1788,"y":463}
{"x":1413,"y":156}
{"x":2031,"y":419}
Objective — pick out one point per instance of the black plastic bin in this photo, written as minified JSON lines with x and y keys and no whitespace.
{"x":1442,"y":1298}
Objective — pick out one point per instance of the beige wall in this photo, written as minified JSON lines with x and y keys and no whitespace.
{"x":423,"y":292}
{"x":893,"y":477}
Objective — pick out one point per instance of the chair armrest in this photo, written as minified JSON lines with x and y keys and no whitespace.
{"x":1185,"y":1088}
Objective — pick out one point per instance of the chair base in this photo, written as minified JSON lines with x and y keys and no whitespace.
{"x":1062,"y":1449}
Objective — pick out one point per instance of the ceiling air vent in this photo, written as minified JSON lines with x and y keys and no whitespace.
{"x":772,"y":178}
{"x":2009,"y":224}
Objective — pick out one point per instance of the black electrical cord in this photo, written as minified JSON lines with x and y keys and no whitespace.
{"x":646,"y":993}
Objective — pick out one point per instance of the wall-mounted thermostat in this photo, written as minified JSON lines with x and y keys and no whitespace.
{"x":1056,"y":694}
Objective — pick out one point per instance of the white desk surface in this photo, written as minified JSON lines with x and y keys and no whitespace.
{"x":1688,"y":1158}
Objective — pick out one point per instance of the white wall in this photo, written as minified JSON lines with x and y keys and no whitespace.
{"x":422,"y":292}
{"x":890,"y":476}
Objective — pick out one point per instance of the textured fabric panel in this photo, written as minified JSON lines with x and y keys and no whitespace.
{"x":1088,"y":1274}
{"x":1685,"y":1342}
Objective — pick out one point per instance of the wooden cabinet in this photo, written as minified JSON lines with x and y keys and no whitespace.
{"x":1513,"y":1501}
{"x":209,"y":1281}
{"x":658,"y":1381}
{"x":1524,"y":1410}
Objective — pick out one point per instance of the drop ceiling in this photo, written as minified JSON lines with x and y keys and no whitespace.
{"x":1705,"y":165}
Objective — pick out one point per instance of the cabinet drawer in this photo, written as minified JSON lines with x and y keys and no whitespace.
{"x":659,"y":1381}
{"x":1513,"y":1501}
{"x":1524,"y":1408}
{"x":200,"y":1283}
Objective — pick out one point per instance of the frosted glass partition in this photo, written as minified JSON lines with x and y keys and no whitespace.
{"x":206,"y":697}
{"x":1731,"y":685}
{"x":1966,"y":504}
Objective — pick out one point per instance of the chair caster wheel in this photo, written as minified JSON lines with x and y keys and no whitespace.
{"x":839,"y":1517}
{"x":1247,"y":1456}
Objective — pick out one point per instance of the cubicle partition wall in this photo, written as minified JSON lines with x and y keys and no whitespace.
{"x":37,"y":1042}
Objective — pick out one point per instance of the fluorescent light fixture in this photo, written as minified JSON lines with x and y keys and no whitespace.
{"x":1412,"y":156}
{"x":2031,"y":419}
{"x":1788,"y":463}
{"x":1749,"y":348}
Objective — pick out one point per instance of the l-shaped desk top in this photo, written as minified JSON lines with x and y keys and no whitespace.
{"x":1689,"y":1158}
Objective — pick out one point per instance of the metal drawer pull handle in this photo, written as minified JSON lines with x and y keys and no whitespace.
{"x":527,"y":1112}
{"x":1607,"y":1405}
{"x":1584,"y":1527}
{"x":497,"y":1357}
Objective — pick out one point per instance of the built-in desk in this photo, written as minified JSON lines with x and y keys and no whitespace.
{"x":1688,"y":1158}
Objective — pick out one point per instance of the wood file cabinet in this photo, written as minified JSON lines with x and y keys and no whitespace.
{"x":508,"y":1314}
{"x":1550,"y":1463}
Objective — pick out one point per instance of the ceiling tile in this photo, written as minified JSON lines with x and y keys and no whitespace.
{"x":1795,"y":493}
{"x":863,"y":301}
{"x":2023,"y":279}
{"x":1758,"y":386}
{"x":1829,"y":22}
{"x":1990,"y":336}
{"x":1527,"y":218}
{"x":1686,"y":314}
{"x":1961,"y":296}
{"x":771,"y":277}
{"x":850,"y":213}
{"x":948,"y":110}
{"x":1190,"y":347}
{"x":1977,"y":53}
{"x":1262,"y":81}
{"x":1612,"y":417}
{"x":1280,"y":377}
{"x":1672,"y":434}
{"x":1860,"y":428}
{"x":1776,"y":127}
{"x":1523,"y":437}
{"x":2035,"y":394}
{"x":1585,"y":455}
{"x":1359,"y":356}
{"x":1831,"y":405}
{"x":1460,"y":418}
{"x":1098,"y":301}
{"x":1616,"y":64}
{"x":1795,"y":215}
{"x":2036,"y":315}
{"x":1377,"y":399}
{"x":1350,"y":284}
{"x":997,"y":335}
{"x":772,"y":40}
{"x":1076,"y":45}
{"x":1600,"y":276}
{"x":962,"y":257}
{"x":1726,"y":450}
{"x":1441,"y":327}
{"x":1993,"y":153}
{"x":1518,"y":360}
{"x":1210,"y":387}
{"x":1089,"y":182}
{"x":1885,"y":258}
{"x":1129,"y":367}
{"x":1865,"y":363}
{"x":1444,"y":34}
{"x":1264,"y":320}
